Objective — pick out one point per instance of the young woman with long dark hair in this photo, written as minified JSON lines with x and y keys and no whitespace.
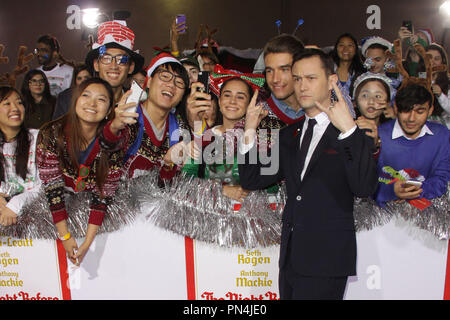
{"x":18,"y":174}
{"x":39,"y":103}
{"x":348,"y":60}
{"x":70,"y":159}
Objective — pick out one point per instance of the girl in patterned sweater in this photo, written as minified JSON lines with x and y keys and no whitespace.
{"x":18,"y":175}
{"x":70,"y":159}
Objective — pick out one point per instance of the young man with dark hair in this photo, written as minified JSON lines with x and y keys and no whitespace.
{"x":59,"y":76}
{"x":279,"y":54}
{"x":148,"y":133}
{"x":278,"y":57}
{"x":415,"y":148}
{"x":112,"y":59}
{"x":374,"y":51}
{"x":326,"y":160}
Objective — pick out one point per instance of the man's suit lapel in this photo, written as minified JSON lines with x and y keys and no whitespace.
{"x":330,"y":134}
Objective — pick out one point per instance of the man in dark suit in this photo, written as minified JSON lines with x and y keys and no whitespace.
{"x":326,"y":161}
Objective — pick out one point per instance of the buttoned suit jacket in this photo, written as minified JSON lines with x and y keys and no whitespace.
{"x":318,"y":220}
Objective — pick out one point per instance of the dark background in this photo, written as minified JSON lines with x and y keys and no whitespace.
{"x":241,"y":24}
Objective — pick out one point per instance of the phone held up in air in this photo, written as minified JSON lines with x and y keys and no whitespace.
{"x":203,"y":77}
{"x":408,"y":25}
{"x":135,"y":97}
{"x":181,"y":23}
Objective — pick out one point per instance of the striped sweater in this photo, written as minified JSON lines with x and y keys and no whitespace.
{"x":57,"y":178}
{"x":148,"y":151}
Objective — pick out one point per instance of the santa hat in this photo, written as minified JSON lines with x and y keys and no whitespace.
{"x":428,"y":34}
{"x":115,"y":34}
{"x":366,"y":43}
{"x":160,"y":59}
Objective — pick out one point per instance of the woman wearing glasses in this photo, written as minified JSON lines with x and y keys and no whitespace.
{"x":39,"y":103}
{"x":69,"y":159}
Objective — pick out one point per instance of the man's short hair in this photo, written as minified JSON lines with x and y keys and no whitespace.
{"x":377,"y":46}
{"x":412,"y":94}
{"x":283,"y":43}
{"x":49,"y":41}
{"x":327,"y":62}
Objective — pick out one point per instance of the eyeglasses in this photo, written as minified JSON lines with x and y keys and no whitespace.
{"x":35,"y":82}
{"x":121,"y":59}
{"x":167,"y":76}
{"x":80,"y":185}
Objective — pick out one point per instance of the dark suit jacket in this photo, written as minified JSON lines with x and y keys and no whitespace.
{"x":318,"y":216}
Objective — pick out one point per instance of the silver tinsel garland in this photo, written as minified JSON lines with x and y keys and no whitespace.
{"x":196,"y":208}
{"x":36,"y":222}
{"x":435,"y":218}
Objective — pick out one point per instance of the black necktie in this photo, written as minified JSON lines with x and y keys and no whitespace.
{"x":306,"y":142}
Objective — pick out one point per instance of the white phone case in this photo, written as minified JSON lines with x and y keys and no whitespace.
{"x":135,"y":96}
{"x":414,"y":183}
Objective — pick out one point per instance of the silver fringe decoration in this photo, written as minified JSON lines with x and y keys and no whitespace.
{"x":35,"y":220}
{"x":435,"y":218}
{"x":196,"y":208}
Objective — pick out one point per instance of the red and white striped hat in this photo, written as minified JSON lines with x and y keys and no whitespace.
{"x":160,"y":59}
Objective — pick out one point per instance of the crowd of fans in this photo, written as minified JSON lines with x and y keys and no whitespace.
{"x":69,"y":129}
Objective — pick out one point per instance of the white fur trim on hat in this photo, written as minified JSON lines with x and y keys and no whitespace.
{"x":159,"y":62}
{"x":374,"y":40}
{"x":110,"y":39}
{"x":427,"y":34}
{"x":371,"y":75}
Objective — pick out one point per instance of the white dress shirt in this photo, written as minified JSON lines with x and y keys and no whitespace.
{"x":397,"y":132}
{"x":319,"y":130}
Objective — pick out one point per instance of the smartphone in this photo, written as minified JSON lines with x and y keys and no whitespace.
{"x":181,"y":18}
{"x":135,"y":96}
{"x":408,"y":25}
{"x":203,"y":77}
{"x":334,"y":97}
{"x":415,"y":183}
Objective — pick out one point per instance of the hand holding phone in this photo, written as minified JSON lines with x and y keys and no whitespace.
{"x":203,"y":77}
{"x":415,"y":183}
{"x":408,"y":25}
{"x":135,"y":96}
{"x":181,"y":23}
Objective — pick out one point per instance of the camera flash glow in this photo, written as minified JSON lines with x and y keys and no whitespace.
{"x":445,"y":8}
{"x":90,"y":17}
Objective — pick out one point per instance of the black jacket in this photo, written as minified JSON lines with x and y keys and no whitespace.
{"x":318,"y":216}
